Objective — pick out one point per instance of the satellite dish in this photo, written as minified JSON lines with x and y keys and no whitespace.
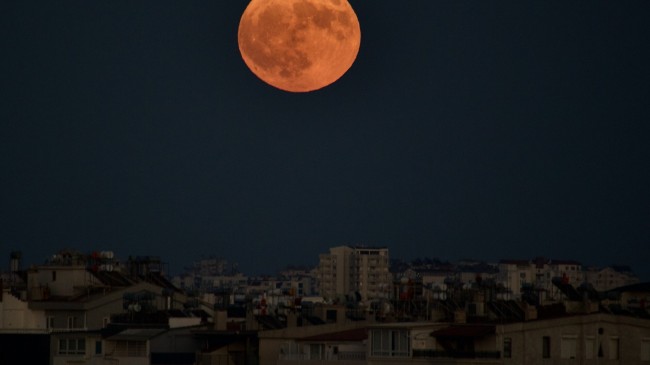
{"x":135,"y":307}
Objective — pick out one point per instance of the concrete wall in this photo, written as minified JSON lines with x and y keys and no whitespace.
{"x":60,"y":319}
{"x":89,"y":358}
{"x":15,"y":316}
{"x":175,"y":340}
{"x":271,"y":342}
{"x":597,"y":329}
{"x":59,"y":281}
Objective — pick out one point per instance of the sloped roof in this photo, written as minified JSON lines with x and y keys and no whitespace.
{"x":137,"y":334}
{"x":352,"y":335}
{"x":567,"y":289}
{"x":638,"y":287}
{"x":160,"y":280}
{"x":111,"y":278}
{"x":465,"y":331}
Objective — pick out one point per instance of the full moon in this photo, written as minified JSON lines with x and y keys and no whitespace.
{"x":299,"y":45}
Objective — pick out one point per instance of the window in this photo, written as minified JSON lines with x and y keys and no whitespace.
{"x":72,"y":346}
{"x":53,"y":275}
{"x":105,"y":322}
{"x":331,"y":316}
{"x":507,"y":347}
{"x":72,"y":322}
{"x":613,"y":348}
{"x":645,"y":349}
{"x":590,"y":345}
{"x":568,"y":346}
{"x":546,"y":347}
{"x":380,"y":340}
{"x":131,"y":348}
{"x":98,"y":347}
{"x":392,"y":343}
{"x":49,"y":323}
{"x":316,"y":352}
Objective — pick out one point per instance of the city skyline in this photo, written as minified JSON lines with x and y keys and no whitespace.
{"x":398,"y":263}
{"x":463,"y":129}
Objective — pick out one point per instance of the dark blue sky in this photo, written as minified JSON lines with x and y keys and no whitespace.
{"x":474,"y":129}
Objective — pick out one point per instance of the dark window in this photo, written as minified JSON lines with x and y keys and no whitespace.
{"x":53,"y":275}
{"x":72,"y":346}
{"x":331,"y":315}
{"x":546,"y":347}
{"x":507,"y":347}
{"x":98,"y":347}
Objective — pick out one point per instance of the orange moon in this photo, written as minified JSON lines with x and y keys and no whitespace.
{"x":299,"y":45}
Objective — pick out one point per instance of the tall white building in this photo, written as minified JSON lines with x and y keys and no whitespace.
{"x":538,"y":274}
{"x":348,"y":270}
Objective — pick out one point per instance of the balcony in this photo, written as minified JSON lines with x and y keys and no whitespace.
{"x":342,"y":358}
{"x":456,"y":354}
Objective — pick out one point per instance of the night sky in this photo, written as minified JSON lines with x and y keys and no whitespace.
{"x":465,"y":129}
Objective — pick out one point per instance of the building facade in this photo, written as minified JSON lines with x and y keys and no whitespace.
{"x":610,"y":277}
{"x":359,"y":271}
{"x":578,"y":339}
{"x":517,"y":276}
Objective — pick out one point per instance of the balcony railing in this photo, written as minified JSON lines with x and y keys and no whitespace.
{"x":457,"y":354}
{"x":24,"y":331}
{"x":341,"y":356}
{"x":75,"y":329}
{"x":220,"y":359}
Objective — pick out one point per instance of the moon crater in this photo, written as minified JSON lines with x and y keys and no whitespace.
{"x":299,"y":45}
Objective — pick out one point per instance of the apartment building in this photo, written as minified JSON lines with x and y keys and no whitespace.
{"x":334,"y":343}
{"x":537,"y":274}
{"x":349,"y":270}
{"x":610,"y":277}
{"x":580,"y":330}
{"x":67,"y":305}
{"x":575,"y":339}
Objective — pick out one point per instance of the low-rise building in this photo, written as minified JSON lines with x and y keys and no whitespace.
{"x":575,"y":339}
{"x":536,"y":275}
{"x":610,"y":277}
{"x":335,"y":343}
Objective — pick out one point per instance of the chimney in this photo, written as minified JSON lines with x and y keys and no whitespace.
{"x":292,"y":319}
{"x":530,"y":312}
{"x":220,"y":320}
{"x":460,"y":316}
{"x":14,"y":261}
